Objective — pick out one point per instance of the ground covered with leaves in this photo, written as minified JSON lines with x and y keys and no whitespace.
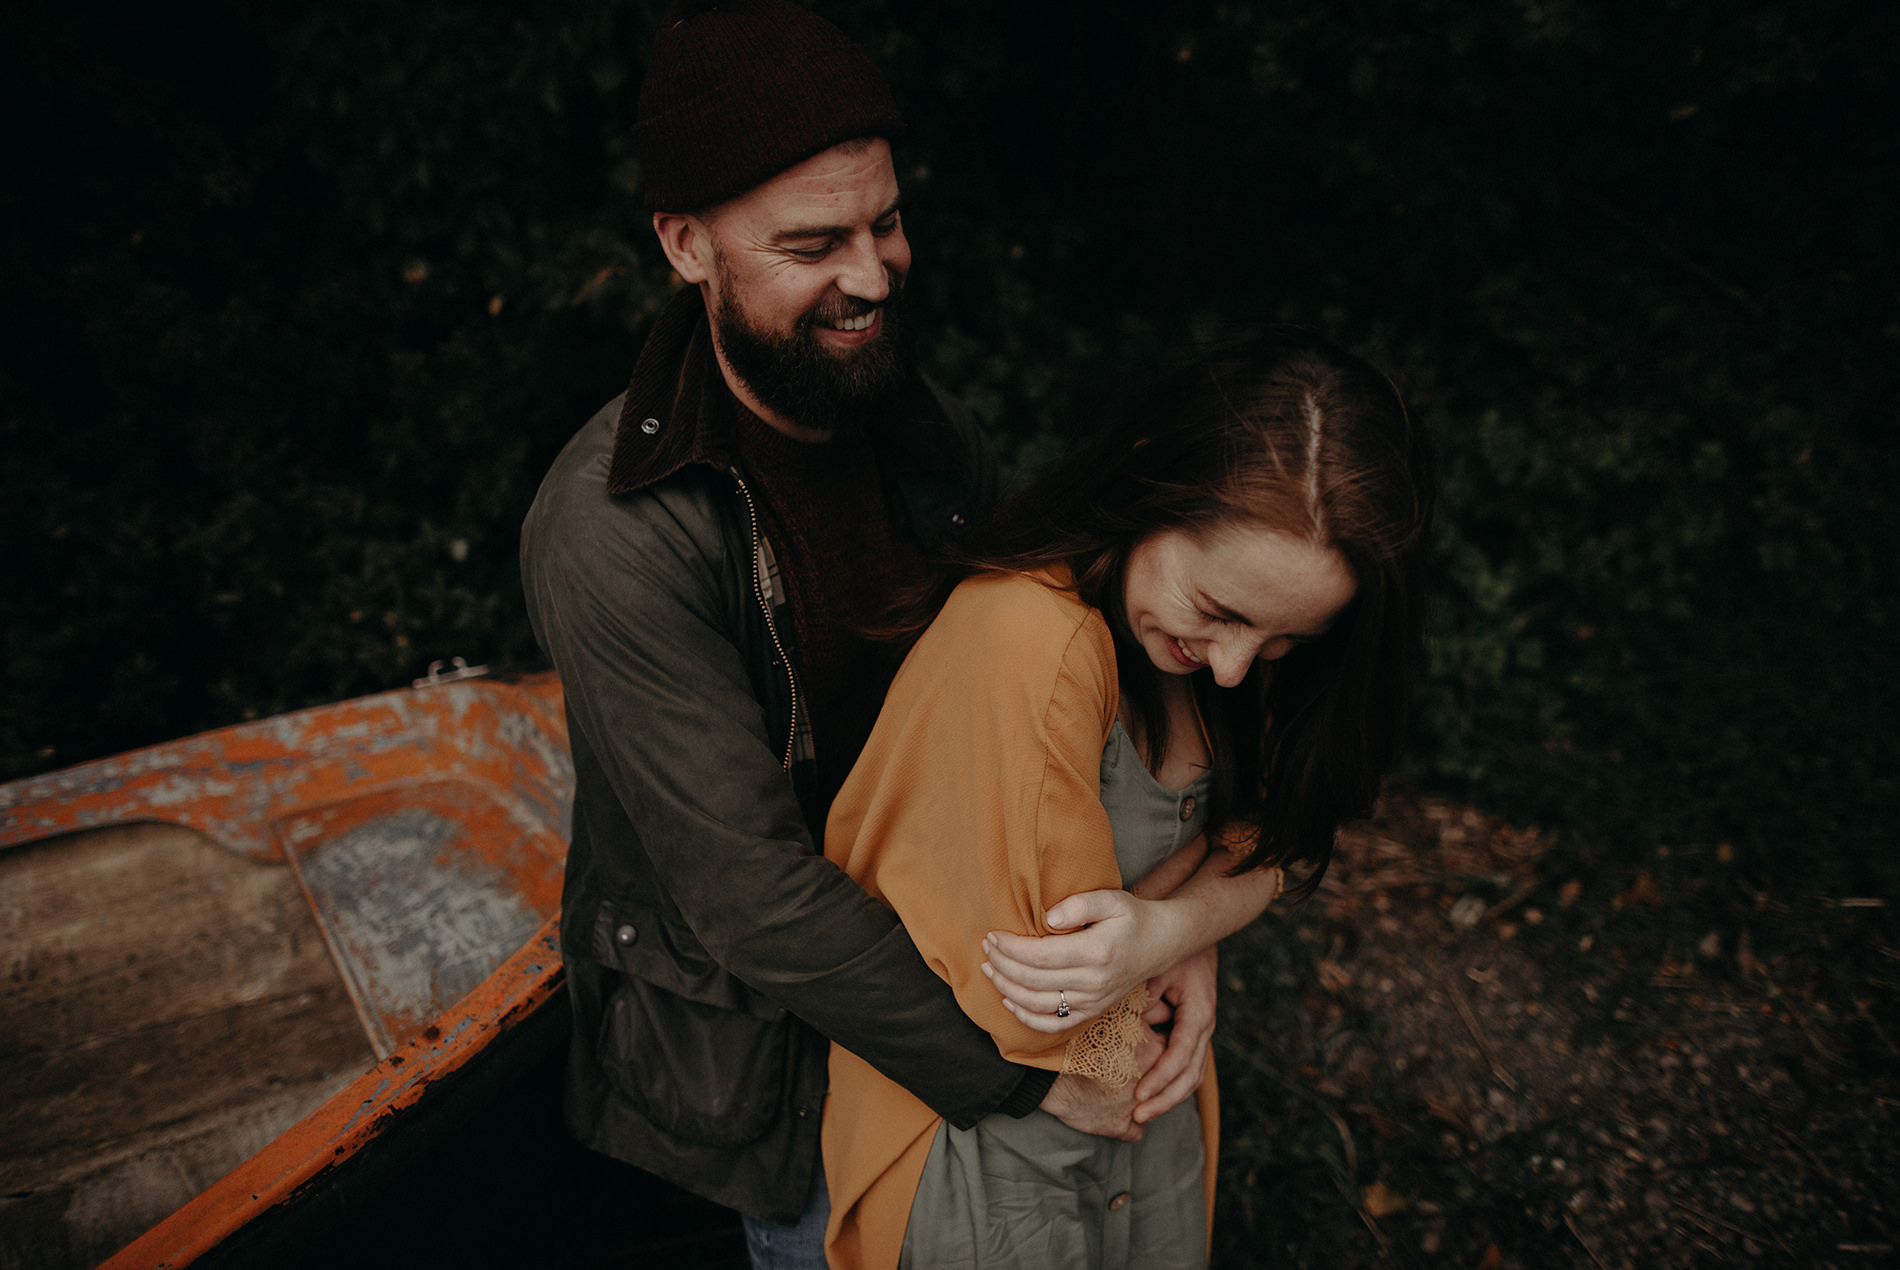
{"x":1476,"y":1047}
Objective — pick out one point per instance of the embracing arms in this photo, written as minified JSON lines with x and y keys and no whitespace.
{"x":1117,"y":940}
{"x":977,"y":802}
{"x":693,"y":823}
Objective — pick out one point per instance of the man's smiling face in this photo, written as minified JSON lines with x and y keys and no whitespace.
{"x":807,"y":272}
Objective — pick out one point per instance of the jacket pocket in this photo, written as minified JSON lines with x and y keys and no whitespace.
{"x":639,"y":941}
{"x":695,"y":1070}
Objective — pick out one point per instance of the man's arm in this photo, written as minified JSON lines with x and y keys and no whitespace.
{"x":631,"y":599}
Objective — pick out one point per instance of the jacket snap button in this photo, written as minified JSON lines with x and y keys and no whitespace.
{"x":1118,"y":1203}
{"x":649,"y":426}
{"x":1187,"y":807}
{"x":625,"y":935}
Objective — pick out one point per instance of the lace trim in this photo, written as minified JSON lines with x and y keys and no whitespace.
{"x":1105,"y":1051}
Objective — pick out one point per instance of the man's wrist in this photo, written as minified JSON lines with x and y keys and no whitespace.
{"x":1029,"y":1092}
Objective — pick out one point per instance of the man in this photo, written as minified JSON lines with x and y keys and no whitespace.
{"x":698,"y":565}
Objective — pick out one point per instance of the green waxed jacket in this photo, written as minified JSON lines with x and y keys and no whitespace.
{"x":710,"y":948}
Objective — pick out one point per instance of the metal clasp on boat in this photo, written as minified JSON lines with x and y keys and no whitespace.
{"x":437,"y":675}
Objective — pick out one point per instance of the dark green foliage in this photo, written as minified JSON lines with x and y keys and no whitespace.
{"x":304,"y":299}
{"x":311,"y":298}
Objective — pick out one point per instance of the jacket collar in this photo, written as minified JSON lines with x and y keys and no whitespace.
{"x":678,"y":411}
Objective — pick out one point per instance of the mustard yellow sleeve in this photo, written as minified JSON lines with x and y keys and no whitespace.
{"x":976,"y":805}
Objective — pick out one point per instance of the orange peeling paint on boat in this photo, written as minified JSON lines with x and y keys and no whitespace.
{"x":234,"y":783}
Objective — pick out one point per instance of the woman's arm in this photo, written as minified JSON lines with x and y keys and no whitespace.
{"x":976,"y":802}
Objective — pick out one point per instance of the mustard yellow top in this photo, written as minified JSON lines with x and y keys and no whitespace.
{"x":975,"y":807}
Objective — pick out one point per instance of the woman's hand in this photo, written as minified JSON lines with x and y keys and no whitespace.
{"x":1184,"y":1003}
{"x":1118,"y":941}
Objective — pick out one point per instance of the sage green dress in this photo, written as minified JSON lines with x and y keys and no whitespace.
{"x":1036,"y":1194}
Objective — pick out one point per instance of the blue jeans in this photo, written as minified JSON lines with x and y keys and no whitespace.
{"x":800,"y":1246}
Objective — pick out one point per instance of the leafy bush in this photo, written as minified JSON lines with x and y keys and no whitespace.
{"x":317,"y":291}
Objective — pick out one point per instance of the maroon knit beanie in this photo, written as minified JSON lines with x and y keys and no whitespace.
{"x":740,"y":90}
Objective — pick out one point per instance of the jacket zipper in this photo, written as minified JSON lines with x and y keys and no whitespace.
{"x":765,"y":606}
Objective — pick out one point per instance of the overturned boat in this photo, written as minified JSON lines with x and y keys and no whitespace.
{"x":250,"y":971}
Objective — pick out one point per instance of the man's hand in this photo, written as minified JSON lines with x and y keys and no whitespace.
{"x":1084,"y":1105}
{"x":1185,"y":997}
{"x":1119,"y":941}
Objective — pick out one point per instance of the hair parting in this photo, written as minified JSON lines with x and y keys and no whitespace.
{"x":1287,"y":432}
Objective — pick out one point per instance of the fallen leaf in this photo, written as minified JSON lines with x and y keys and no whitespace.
{"x":1375,"y":1118}
{"x":1745,"y":957}
{"x":1643,"y":892}
{"x":1452,"y":1111}
{"x":1382,"y":1201}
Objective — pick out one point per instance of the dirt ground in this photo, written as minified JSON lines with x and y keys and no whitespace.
{"x":1464,"y":1051}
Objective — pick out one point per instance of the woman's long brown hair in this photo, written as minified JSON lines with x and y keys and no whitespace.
{"x":1287,"y":432}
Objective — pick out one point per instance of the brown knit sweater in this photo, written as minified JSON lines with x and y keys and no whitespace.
{"x":829,"y":520}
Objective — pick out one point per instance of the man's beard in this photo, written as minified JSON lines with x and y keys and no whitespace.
{"x":796,"y":377}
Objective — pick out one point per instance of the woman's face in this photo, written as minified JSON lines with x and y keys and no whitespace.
{"x":1225,"y":600}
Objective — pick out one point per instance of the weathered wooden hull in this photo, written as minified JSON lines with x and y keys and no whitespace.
{"x":350,"y":929}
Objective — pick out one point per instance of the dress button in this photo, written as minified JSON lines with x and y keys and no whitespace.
{"x":1187,"y":807}
{"x":1118,"y":1203}
{"x":625,"y":934}
{"x":649,"y":426}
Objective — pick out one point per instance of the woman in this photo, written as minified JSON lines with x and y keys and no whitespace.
{"x":1196,"y":630}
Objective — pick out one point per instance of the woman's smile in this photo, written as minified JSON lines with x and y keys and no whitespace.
{"x":1182,"y":654}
